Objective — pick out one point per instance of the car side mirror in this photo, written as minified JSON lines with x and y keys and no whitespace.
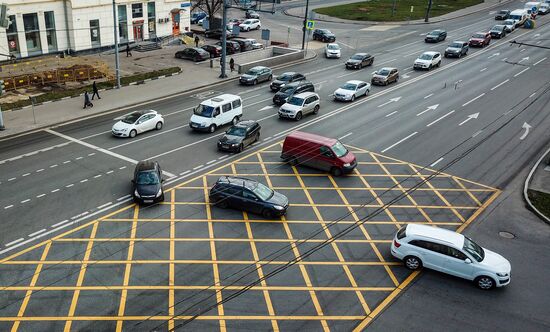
{"x":133,"y":181}
{"x":468,"y":261}
{"x":162,"y":180}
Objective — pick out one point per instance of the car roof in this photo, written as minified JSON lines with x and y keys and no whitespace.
{"x":355,"y":82}
{"x":239,"y":181}
{"x":431,"y":52}
{"x":298,"y":83}
{"x":362,"y":54}
{"x":258,"y":68}
{"x":313,"y":138}
{"x":458,"y":41}
{"x":145,"y":165}
{"x":440,"y":234}
{"x":388,"y":68}
{"x":245,"y":123}
{"x":437,"y":30}
{"x":305,"y":94}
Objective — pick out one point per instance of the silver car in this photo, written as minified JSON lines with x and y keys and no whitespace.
{"x":256,"y":75}
{"x":299,"y":105}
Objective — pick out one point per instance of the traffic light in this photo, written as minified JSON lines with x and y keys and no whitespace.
{"x":2,"y":87}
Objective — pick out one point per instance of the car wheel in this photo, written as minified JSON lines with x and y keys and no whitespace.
{"x":336,"y":171}
{"x":396,"y":79}
{"x":267,"y":214}
{"x":412,"y":263}
{"x":257,"y":138}
{"x":247,"y":29}
{"x":258,"y":27}
{"x":270,"y":77}
{"x":235,"y":120}
{"x":158,"y":126}
{"x":367,"y":92}
{"x":212,"y":128}
{"x":255,"y":82}
{"x":133,"y":133}
{"x":361,"y":66}
{"x":241,"y":148}
{"x":459,"y":55}
{"x":316,"y":109}
{"x":161,"y":199}
{"x":386,"y":83}
{"x":353,"y":98}
{"x":222,"y":203}
{"x":438,"y":64}
{"x":298,"y":116}
{"x":484,"y":282}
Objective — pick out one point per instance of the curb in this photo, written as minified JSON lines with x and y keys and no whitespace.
{"x":91,"y":116}
{"x":100,"y":90}
{"x":285,"y":11}
{"x":526,"y":188}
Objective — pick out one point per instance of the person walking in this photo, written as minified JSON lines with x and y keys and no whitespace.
{"x":232,"y":64}
{"x":128,"y":52}
{"x":87,"y":101}
{"x":197,"y":40}
{"x":95,"y":91}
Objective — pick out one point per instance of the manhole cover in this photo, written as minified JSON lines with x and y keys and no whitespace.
{"x":506,"y":235}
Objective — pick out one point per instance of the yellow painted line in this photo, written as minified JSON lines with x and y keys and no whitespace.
{"x":214,"y":257}
{"x":81,"y":275}
{"x":171,"y":272}
{"x":202,"y":287}
{"x":325,"y":174}
{"x":190,"y":261}
{"x":34,"y":279}
{"x":127,"y":270}
{"x":164,"y":318}
{"x":277,"y":221}
{"x":479,"y":211}
{"x":359,"y":188}
{"x":354,"y":205}
{"x":457,"y":180}
{"x":156,"y":239}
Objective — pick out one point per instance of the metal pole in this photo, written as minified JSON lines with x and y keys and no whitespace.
{"x":117,"y":63}
{"x":224,"y":37}
{"x":32,"y":102}
{"x":426,"y":18}
{"x":305,"y":24}
{"x":1,"y":121}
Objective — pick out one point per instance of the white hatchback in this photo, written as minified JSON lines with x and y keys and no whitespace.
{"x":138,"y":122}
{"x":452,"y":253}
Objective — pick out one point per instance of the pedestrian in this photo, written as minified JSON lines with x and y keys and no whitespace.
{"x":197,"y":40}
{"x":232,"y":64}
{"x":87,"y":101}
{"x":128,"y":52}
{"x":95,"y":91}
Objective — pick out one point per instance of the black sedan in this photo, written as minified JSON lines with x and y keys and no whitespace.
{"x":214,"y":50}
{"x":284,"y":79}
{"x":359,"y":60}
{"x":324,"y":35}
{"x":498,"y":31}
{"x":232,"y":47}
{"x":241,"y":135}
{"x":193,"y":53}
{"x":147,"y":183}
{"x":502,"y":15}
{"x":248,"y":195}
{"x":291,"y":89}
{"x":436,"y":36}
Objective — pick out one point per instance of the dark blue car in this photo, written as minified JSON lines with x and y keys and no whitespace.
{"x":196,"y":17}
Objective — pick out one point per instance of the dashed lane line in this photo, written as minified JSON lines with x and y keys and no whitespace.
{"x":41,"y":195}
{"x":104,"y":205}
{"x":436,"y":162}
{"x":500,"y":84}
{"x":60,"y":223}
{"x":55,"y":190}
{"x":541,"y":60}
{"x":440,"y":118}
{"x":483,"y":69}
{"x":472,"y":100}
{"x":390,"y":114}
{"x":37,"y":232}
{"x":14,"y":242}
{"x":8,"y":207}
{"x":521,"y":72}
{"x":123,"y":197}
{"x":25,"y":201}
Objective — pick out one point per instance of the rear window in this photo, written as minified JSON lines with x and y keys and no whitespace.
{"x":236,"y":103}
{"x":401,"y":232}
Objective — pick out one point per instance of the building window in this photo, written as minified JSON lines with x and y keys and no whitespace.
{"x":122,"y":23}
{"x":32,"y":33}
{"x":151,"y":19}
{"x":50,"y":31}
{"x":94,"y":33}
{"x":13,"y":39}
{"x":137,"y":10}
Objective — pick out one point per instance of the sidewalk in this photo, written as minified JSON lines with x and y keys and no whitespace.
{"x":299,"y":13}
{"x":193,"y":76}
{"x":537,"y":187}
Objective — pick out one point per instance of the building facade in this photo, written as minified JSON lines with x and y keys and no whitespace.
{"x":50,"y":26}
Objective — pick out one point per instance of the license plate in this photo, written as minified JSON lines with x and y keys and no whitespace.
{"x":225,"y":146}
{"x":147,"y":201}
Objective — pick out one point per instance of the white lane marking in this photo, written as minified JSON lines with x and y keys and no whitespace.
{"x":15,"y":158}
{"x":39,"y":170}
{"x":78,"y":158}
{"x":97,"y":176}
{"x":91,"y":154}
{"x":85,"y":180}
{"x":210,"y":162}
{"x":440,"y":118}
{"x":80,"y":215}
{"x":60,"y":223}
{"x":54,"y":191}
{"x":429,"y":108}
{"x":41,"y":195}
{"x":200,"y":166}
{"x":53,"y":166}
{"x":541,"y":60}
{"x":182,"y":173}
{"x":66,"y":161}
{"x":522,"y":50}
{"x":501,"y":83}
{"x":346,"y":135}
{"x":349,"y":46}
{"x":268,"y":107}
{"x":472,"y":100}
{"x":26,"y":174}
{"x":428,"y":96}
{"x":14,"y":242}
{"x":531,"y":95}
{"x":69,"y":185}
{"x":223,"y":157}
{"x":122,"y":167}
{"x":25,"y":201}
{"x":104,"y":205}
{"x":176,"y":112}
{"x":415,"y":52}
{"x":47,"y":149}
{"x":477,"y":133}
{"x":390,"y":114}
{"x":11,"y":179}
{"x":123,"y":197}
{"x":109,"y":172}
{"x":483,"y":69}
{"x":436,"y":162}
{"x":399,"y":142}
{"x":7,"y":207}
{"x":521,"y":72}
{"x":392,"y":100}
{"x":31,"y":153}
{"x":470,"y":117}
{"x":504,"y":59}
{"x":37,"y":232}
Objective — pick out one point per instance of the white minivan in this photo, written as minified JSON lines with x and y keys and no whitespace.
{"x":519,"y":16}
{"x":216,"y":112}
{"x":450,"y":252}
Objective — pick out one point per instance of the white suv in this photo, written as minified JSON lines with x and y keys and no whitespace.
{"x":452,"y":253}
{"x":428,"y":60}
{"x":250,"y":24}
{"x":299,"y":105}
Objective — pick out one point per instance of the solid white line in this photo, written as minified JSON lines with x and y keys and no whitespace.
{"x":104,"y":205}
{"x":25,"y":201}
{"x":390,"y":114}
{"x":41,"y":195}
{"x":7,"y":207}
{"x":225,"y":156}
{"x":123,"y":197}
{"x":436,"y":162}
{"x":47,"y":149}
{"x":483,"y":69}
{"x":37,"y":232}
{"x":346,"y":135}
{"x":200,"y":166}
{"x":182,"y":173}
{"x":15,"y":158}
{"x":14,"y":242}
{"x":55,"y":190}
{"x":521,"y":72}
{"x":31,"y":153}
{"x":54,"y":165}
{"x":477,"y":133}
{"x":428,"y":96}
{"x":210,"y":162}
{"x":39,"y":170}
{"x":441,"y":118}
{"x":501,"y":83}
{"x":60,"y":223}
{"x":400,"y":141}
{"x":472,"y":100}
{"x":541,"y":60}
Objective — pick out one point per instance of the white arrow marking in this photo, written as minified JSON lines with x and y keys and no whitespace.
{"x":525,"y":126}
{"x":430,"y":108}
{"x":396,"y":99}
{"x":470,"y":117}
{"x":524,"y":59}
{"x":265,"y":108}
{"x":493,"y":55}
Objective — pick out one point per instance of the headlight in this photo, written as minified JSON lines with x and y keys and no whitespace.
{"x":278,"y":207}
{"x":281,"y":85}
{"x":234,"y":145}
{"x":347,"y":165}
{"x":502,"y":274}
{"x":136,"y":193}
{"x":159,"y":192}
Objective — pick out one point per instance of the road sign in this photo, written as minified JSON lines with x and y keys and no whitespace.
{"x":310,"y":24}
{"x":265,"y":34}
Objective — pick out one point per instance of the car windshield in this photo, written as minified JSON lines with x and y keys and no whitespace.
{"x":339,"y":149}
{"x":456,"y":45}
{"x":247,"y":22}
{"x":204,"y":110}
{"x":357,"y":57}
{"x":503,"y":12}
{"x":296,"y":101}
{"x":383,"y":72}
{"x":263,"y":192}
{"x":287,"y":89}
{"x":497,"y":28}
{"x":349,"y":86}
{"x":253,"y":72}
{"x":473,"y":249}
{"x":433,"y":33}
{"x":425,"y":57}
{"x":479,"y":35}
{"x":285,"y":77}
{"x":333,"y":47}
{"x":131,"y":118}
{"x":147,"y":178}
{"x":236,"y":131}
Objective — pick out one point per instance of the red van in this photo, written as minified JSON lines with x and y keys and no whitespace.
{"x":323,"y":153}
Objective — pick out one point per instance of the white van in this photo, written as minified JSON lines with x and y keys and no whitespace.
{"x":519,"y":16}
{"x":530,"y":5}
{"x":216,"y":112}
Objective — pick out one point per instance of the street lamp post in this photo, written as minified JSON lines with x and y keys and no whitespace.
{"x":305,"y":24}
{"x":117,"y":64}
{"x":224,"y":43}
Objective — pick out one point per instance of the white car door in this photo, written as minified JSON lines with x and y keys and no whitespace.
{"x":432,"y":257}
{"x":456,"y":264}
{"x":361,"y":89}
{"x":141,"y":123}
{"x":217,"y":117}
{"x":150,"y":122}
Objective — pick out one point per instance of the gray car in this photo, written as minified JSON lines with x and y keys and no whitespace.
{"x":457,"y":49}
{"x":256,"y":75}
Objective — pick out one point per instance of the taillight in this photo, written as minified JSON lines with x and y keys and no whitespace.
{"x":396,"y":244}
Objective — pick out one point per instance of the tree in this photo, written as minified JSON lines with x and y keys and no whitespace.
{"x":212,"y":7}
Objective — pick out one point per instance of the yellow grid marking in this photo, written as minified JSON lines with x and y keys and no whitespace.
{"x":355,"y":188}
{"x":229,"y":239}
{"x":171,"y":268}
{"x":469,"y":191}
{"x":351,"y":205}
{"x":191,"y":261}
{"x":373,"y":222}
{"x":201,"y":287}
